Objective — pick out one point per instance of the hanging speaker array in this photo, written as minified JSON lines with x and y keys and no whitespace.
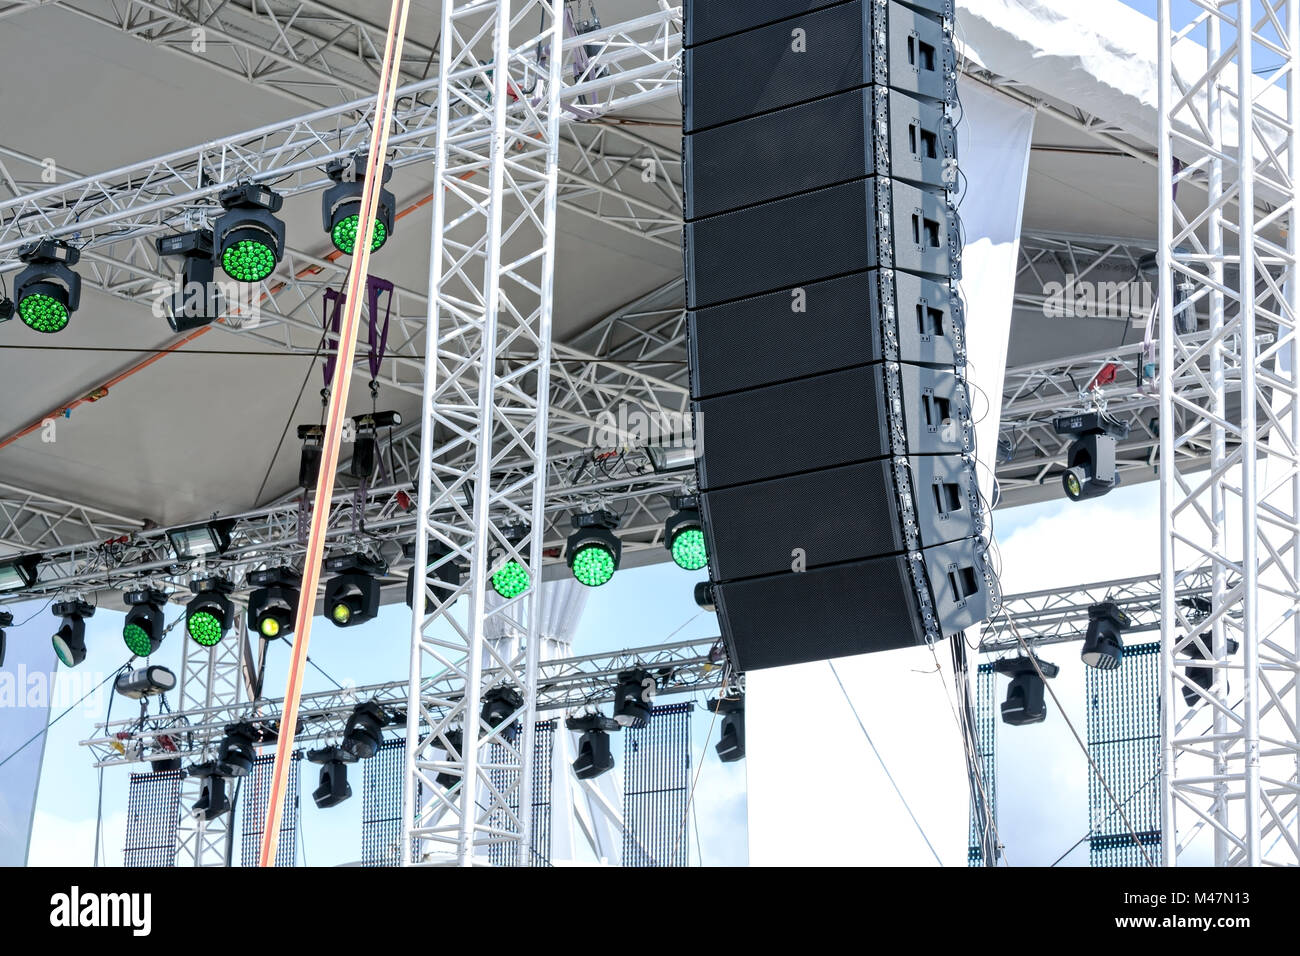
{"x":835,"y":447}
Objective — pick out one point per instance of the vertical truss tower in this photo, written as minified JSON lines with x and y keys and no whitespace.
{"x":1228,"y":303}
{"x":488,"y":351}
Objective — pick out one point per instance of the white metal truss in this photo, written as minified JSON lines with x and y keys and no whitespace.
{"x":488,"y":356}
{"x":31,"y":521}
{"x":1228,"y":108}
{"x":212,"y":678}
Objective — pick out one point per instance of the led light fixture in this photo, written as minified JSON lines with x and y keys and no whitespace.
{"x":363,"y":733}
{"x":237,"y":751}
{"x":499,"y":704}
{"x":248,"y":238}
{"x":731,"y":737}
{"x":594,"y":756}
{"x":212,"y":801}
{"x":142,"y":631}
{"x":444,"y":577}
{"x":341,"y":205}
{"x":47,"y":292}
{"x":352,"y":595}
{"x":145,"y":682}
{"x":593,"y":549}
{"x":210,"y":613}
{"x":634,"y":698}
{"x":1025,"y":703}
{"x":334,"y":787}
{"x":1103,"y":648}
{"x":198,"y":300}
{"x":70,"y":639}
{"x":273,"y":605}
{"x":684,"y":534}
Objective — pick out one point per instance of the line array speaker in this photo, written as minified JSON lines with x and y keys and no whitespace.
{"x":835,"y":449}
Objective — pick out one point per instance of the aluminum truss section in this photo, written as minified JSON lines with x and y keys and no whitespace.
{"x":564,"y":685}
{"x":1228,"y":103}
{"x":30,"y":521}
{"x":212,"y":678}
{"x":1058,"y":616}
{"x":487,"y":392}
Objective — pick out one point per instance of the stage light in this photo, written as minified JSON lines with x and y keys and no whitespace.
{"x":499,"y":704}
{"x":705,"y":599}
{"x":145,"y":682}
{"x":202,"y":540}
{"x":593,"y":549}
{"x":18,"y":573}
{"x":1103,"y":648}
{"x":731,"y":738}
{"x":511,"y":579}
{"x":341,"y":205}
{"x":6,"y":620}
{"x":363,"y":733}
{"x":1203,"y":677}
{"x":594,"y":756}
{"x":142,"y":631}
{"x":198,"y":301}
{"x":273,"y":606}
{"x":209,"y":615}
{"x":70,"y":639}
{"x":1090,"y":460}
{"x":455,"y":744}
{"x":212,"y":801}
{"x":1025,"y":703}
{"x":352,"y":596}
{"x":365,"y":444}
{"x":248,"y":238}
{"x":47,"y":292}
{"x":665,"y":459}
{"x":334,"y":788}
{"x":684,"y":534}
{"x":236,"y":752}
{"x":634,"y":698}
{"x":445,"y":572}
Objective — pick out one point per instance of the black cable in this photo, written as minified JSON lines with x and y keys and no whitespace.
{"x":37,"y":736}
{"x":293,"y":413}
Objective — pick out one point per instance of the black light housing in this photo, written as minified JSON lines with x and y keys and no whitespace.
{"x":1203,"y":677}
{"x":731,"y":739}
{"x":594,"y":755}
{"x":352,"y":595}
{"x":704,"y":597}
{"x":18,"y":573}
{"x":499,"y":704}
{"x":210,"y":613}
{"x":236,"y":753}
{"x":273,"y":606}
{"x":47,"y":292}
{"x":70,"y":639}
{"x":248,"y":239}
{"x":1025,"y":703}
{"x":212,"y":801}
{"x":201,"y":540}
{"x":6,"y":620}
{"x":445,"y":576}
{"x":341,"y":205}
{"x":1090,"y":460}
{"x":684,"y":534}
{"x":198,"y":301}
{"x":1103,"y":648}
{"x":634,"y":698}
{"x":142,"y":631}
{"x":455,"y":740}
{"x":593,"y":550}
{"x":334,"y":787}
{"x":363,"y":733}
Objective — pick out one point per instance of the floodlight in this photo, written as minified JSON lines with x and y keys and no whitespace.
{"x":201,"y":540}
{"x":341,"y":205}
{"x":352,"y":596}
{"x":684,"y":534}
{"x":273,"y":606}
{"x":248,"y":238}
{"x":593,"y":549}
{"x":1102,"y":647}
{"x":70,"y":639}
{"x":18,"y":573}
{"x":145,"y":682}
{"x":142,"y":631}
{"x":47,"y":292}
{"x":634,"y":698}
{"x":210,"y":614}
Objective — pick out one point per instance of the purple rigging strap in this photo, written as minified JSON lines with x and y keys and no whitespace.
{"x":330,"y":337}
{"x":375,"y":287}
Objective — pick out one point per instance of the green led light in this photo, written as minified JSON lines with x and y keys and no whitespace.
{"x":204,"y":628}
{"x":248,"y":261}
{"x":44,"y":313}
{"x":341,"y":613}
{"x":593,"y":565}
{"x":510,"y":580}
{"x":137,"y":640}
{"x":62,"y":650}
{"x":345,"y":235}
{"x":688,"y":549}
{"x":270,"y":627}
